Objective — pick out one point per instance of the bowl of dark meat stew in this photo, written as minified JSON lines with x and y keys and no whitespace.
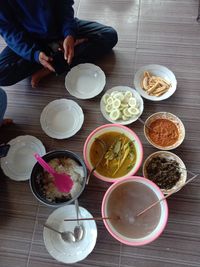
{"x":165,"y":169}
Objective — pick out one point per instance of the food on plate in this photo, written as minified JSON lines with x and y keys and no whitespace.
{"x":154,"y":85}
{"x":61,"y":165}
{"x":115,"y":114}
{"x":119,"y":158}
{"x":163,"y":132}
{"x":164,"y":172}
{"x":121,"y":105}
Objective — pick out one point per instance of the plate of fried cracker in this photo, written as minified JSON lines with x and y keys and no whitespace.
{"x":155,"y":82}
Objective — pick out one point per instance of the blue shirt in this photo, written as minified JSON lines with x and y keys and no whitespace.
{"x":24,"y":22}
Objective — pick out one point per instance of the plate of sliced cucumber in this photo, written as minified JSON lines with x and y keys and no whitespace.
{"x":121,"y":104}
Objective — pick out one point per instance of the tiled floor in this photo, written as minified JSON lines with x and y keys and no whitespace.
{"x":150,"y":31}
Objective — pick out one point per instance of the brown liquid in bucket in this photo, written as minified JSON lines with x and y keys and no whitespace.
{"x":125,"y":202}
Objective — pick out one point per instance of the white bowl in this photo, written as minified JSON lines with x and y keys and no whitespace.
{"x":85,"y":81}
{"x":139,"y":105}
{"x":61,"y":118}
{"x":157,"y":70}
{"x":167,"y":155}
{"x":171,"y":117}
{"x":128,"y":204}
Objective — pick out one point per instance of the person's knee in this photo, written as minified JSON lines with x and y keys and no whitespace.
{"x":6,"y":69}
{"x":109,"y":38}
{"x":2,"y":94}
{"x":13,"y":73}
{"x":3,"y":102}
{"x":2,"y":79}
{"x":15,"y":70}
{"x":113,"y":37}
{"x":5,"y":79}
{"x":5,"y":82}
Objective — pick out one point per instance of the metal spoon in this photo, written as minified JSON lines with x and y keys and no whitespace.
{"x":133,"y":218}
{"x":173,"y":192}
{"x":66,"y":235}
{"x":78,"y":230}
{"x":143,"y":122}
{"x":92,"y":219}
{"x":104,"y":146}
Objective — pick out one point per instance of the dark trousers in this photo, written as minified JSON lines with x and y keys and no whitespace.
{"x":3,"y":104}
{"x":101,"y":39}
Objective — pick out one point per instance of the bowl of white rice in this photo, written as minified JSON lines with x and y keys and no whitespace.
{"x":42,"y":183}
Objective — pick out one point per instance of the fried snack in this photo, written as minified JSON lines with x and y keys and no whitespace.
{"x":154,"y":85}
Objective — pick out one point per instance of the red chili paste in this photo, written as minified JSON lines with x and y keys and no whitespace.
{"x":163,"y":132}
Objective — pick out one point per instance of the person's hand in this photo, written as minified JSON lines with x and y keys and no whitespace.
{"x":46,"y":61}
{"x":68,"y":46}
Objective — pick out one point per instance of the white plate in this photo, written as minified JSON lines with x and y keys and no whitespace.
{"x":69,"y":252}
{"x":61,"y":118}
{"x":19,"y":161}
{"x":140,"y":105}
{"x":85,"y":81}
{"x":156,"y":70}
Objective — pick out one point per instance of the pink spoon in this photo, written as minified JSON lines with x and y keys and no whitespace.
{"x":62,"y":181}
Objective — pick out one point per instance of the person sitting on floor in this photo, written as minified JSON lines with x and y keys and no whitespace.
{"x":44,"y":36}
{"x":3,"y":106}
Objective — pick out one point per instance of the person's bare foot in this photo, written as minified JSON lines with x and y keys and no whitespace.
{"x":6,"y":122}
{"x":38,"y":76}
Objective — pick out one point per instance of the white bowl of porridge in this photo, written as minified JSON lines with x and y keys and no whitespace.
{"x":127,"y":198}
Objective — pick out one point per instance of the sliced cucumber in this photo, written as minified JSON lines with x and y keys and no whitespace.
{"x":123,"y":105}
{"x":119,"y":95}
{"x":116,"y":103}
{"x":132,"y":102}
{"x":109,"y":100}
{"x":127,"y":113}
{"x":133,"y":111}
{"x":109,"y":108}
{"x":115,"y":114}
{"x":113,"y":93}
{"x":105,"y":97}
{"x":128,"y":94}
{"x":124,"y":118}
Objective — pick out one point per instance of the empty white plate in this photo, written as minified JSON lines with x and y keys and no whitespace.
{"x":85,"y":81}
{"x":157,"y":70}
{"x":61,"y":118}
{"x":20,"y":160}
{"x":69,"y":252}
